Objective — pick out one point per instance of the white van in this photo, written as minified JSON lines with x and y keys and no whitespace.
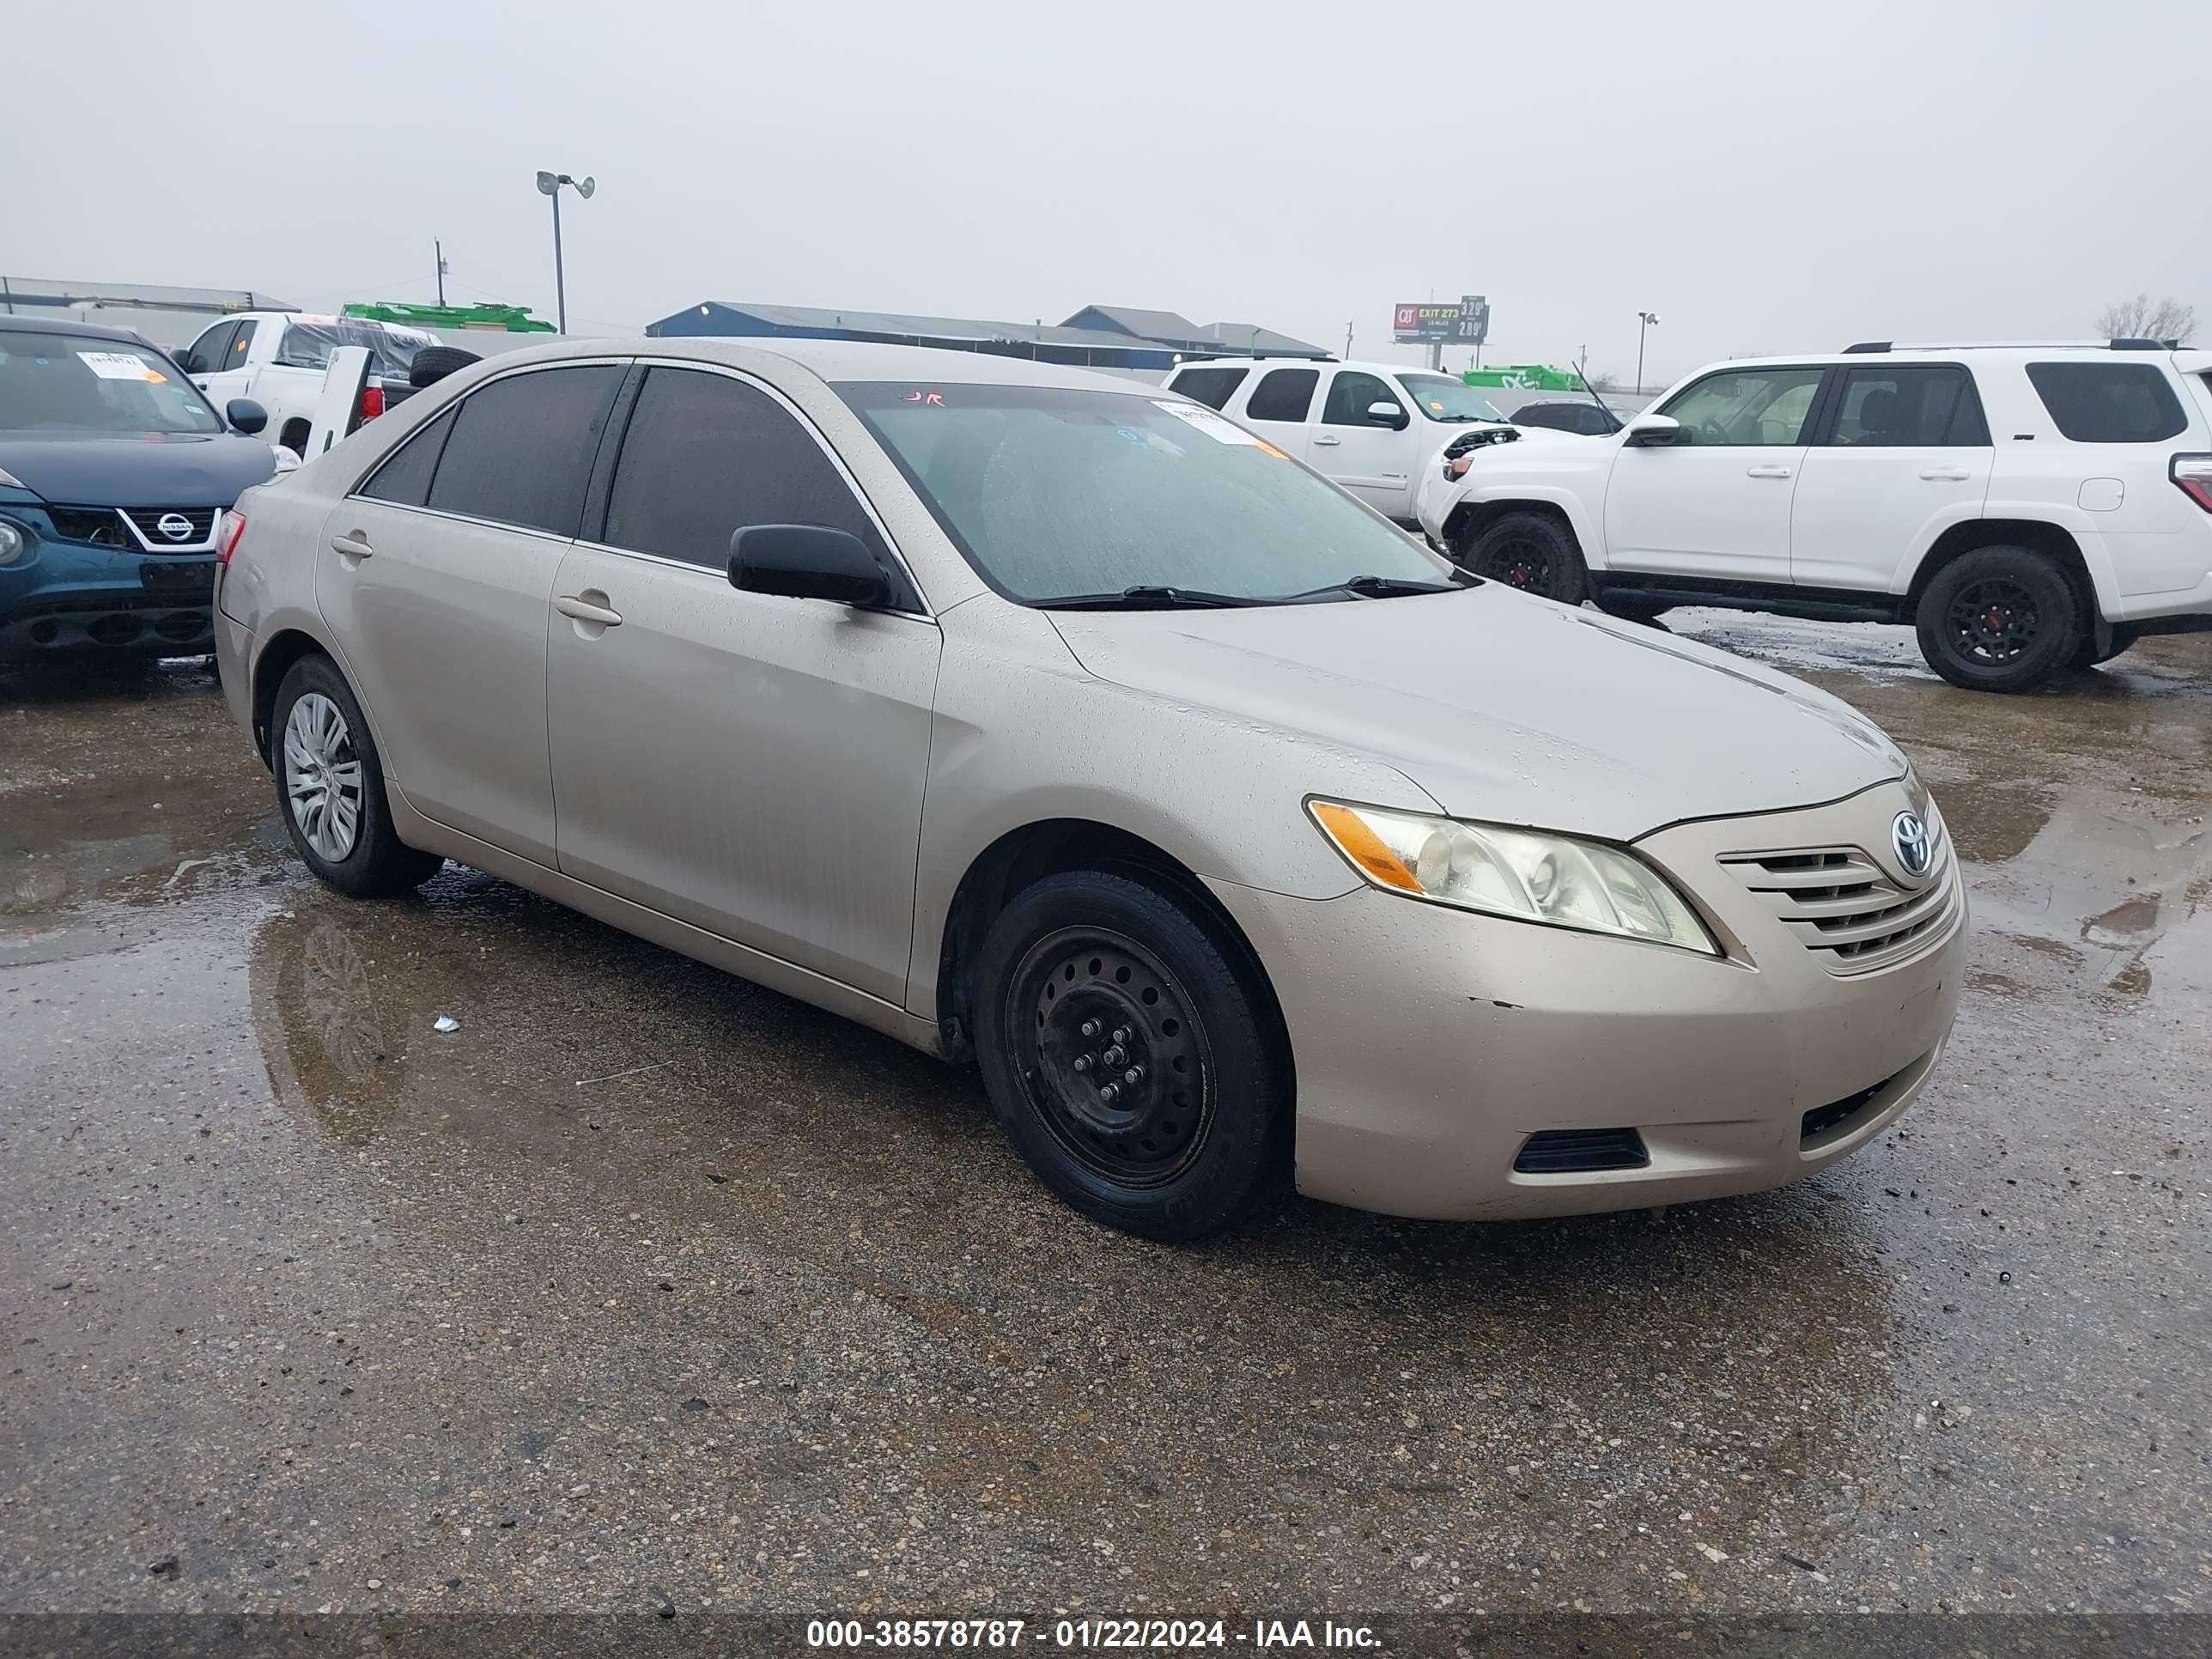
{"x":1372,"y":427}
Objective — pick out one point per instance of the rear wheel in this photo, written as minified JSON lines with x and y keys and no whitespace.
{"x":1532,"y":551}
{"x":329,"y":786}
{"x":1132,"y":1056}
{"x":2000,"y":619}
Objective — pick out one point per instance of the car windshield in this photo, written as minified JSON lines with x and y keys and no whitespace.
{"x":1055,"y":495}
{"x":1443,"y":398}
{"x":85,"y":383}
{"x":391,"y":350}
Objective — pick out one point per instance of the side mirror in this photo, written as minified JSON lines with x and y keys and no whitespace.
{"x":1653,"y":432}
{"x":807,"y":562}
{"x":191,"y":361}
{"x":1384,"y":413}
{"x":244,"y":416}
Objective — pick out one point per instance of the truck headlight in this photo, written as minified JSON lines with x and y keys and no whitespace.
{"x":1523,"y":873}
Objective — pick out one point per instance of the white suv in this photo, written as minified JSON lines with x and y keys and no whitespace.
{"x":2026,"y":507}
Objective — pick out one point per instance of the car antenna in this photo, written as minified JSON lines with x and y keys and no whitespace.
{"x":1595,"y":398}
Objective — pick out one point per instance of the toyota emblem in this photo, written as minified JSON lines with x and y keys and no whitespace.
{"x":175,"y":525}
{"x":1908,"y":833}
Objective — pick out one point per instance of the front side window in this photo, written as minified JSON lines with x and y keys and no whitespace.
{"x":84,"y":383}
{"x":1057,"y":494}
{"x":522,"y":448}
{"x":213,"y":347}
{"x":1282,"y":394}
{"x":1349,"y":395}
{"x":1439,"y":398}
{"x":1761,"y":406}
{"x":1214,"y":387}
{"x":1925,"y":407}
{"x":705,"y":456}
{"x":2097,"y":402}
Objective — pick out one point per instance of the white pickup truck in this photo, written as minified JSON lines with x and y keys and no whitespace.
{"x":278,"y":358}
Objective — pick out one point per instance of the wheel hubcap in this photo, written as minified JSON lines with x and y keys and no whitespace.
{"x":1994,"y":621}
{"x":1112,"y":1061}
{"x":1518,"y":563}
{"x":322,"y":776}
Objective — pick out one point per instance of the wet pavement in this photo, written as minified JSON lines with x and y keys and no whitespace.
{"x":647,"y":1289}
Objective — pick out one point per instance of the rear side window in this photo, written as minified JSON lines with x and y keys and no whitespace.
{"x":521,"y":449}
{"x":405,"y":477}
{"x":705,"y":456}
{"x":2095,"y":402}
{"x":1282,"y":394}
{"x":1214,"y":387}
{"x":1927,"y":407}
{"x":1350,"y":393}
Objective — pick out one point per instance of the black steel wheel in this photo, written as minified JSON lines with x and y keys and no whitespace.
{"x":1532,"y":551}
{"x":1999,"y":619}
{"x":1133,"y":1055}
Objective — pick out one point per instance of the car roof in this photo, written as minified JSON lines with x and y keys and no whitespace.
{"x":836,"y":361}
{"x":1880,"y":351}
{"x":1308,"y":363}
{"x":71,"y":325}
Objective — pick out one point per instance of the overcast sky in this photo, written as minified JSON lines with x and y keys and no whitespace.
{"x":1767,"y":177}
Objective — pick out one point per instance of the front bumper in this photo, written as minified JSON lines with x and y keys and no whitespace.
{"x":1431,"y":1043}
{"x":103,"y":601}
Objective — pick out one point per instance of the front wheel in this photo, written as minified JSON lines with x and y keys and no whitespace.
{"x":1132,"y":1056}
{"x":1532,"y":551}
{"x":329,"y":786}
{"x":1999,"y":619}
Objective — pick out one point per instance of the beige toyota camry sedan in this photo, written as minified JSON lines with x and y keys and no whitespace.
{"x":1055,"y":722}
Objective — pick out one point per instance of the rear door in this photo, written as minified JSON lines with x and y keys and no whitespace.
{"x":1278,"y":405}
{"x":750,"y":763}
{"x":1901,"y":453}
{"x":1373,"y":461}
{"x":1716,"y":503}
{"x":434,"y":578}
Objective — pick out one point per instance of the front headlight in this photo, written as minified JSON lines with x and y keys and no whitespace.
{"x":1522,"y":873}
{"x":12,"y":542}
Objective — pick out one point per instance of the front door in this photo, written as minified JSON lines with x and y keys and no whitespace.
{"x":749,"y":764}
{"x":1349,"y":447}
{"x":1716,"y":503}
{"x":435,"y":579}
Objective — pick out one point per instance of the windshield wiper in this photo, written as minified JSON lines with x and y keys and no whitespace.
{"x":1391,"y":587}
{"x":1147,"y":597}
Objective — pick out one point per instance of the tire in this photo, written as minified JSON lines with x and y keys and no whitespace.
{"x":2000,"y":619}
{"x":433,"y":362}
{"x":330,"y":787}
{"x":1632,"y":607}
{"x":1532,"y":551}
{"x":2089,"y":656}
{"x":1088,"y":975}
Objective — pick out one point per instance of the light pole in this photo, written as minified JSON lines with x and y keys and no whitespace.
{"x":549,"y":184}
{"x":1645,"y":320}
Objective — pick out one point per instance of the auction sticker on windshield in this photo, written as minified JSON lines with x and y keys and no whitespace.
{"x":119,"y":366}
{"x":1221,"y":431}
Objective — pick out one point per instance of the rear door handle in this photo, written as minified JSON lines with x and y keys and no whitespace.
{"x":1945,"y":474}
{"x":1766,"y":472}
{"x":582,"y":609}
{"x":352,"y":543}
{"x":1325,"y":438}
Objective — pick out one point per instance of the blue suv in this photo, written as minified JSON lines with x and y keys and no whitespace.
{"x":115,"y":473}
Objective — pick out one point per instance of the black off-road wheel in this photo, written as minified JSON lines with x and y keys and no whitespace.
{"x":1533,"y":551}
{"x":1134,"y":1056}
{"x":329,"y":786}
{"x":2000,"y":619}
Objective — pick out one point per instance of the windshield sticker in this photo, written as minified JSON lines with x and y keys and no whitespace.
{"x":934,"y":399}
{"x":121,"y":366}
{"x":1221,"y":431}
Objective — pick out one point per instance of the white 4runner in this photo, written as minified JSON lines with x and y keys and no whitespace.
{"x":2026,"y":508}
{"x":278,"y":358}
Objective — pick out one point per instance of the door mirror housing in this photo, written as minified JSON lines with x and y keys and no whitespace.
{"x":191,"y":361}
{"x":1653,"y":432}
{"x":808,"y":561}
{"x":244,"y":416}
{"x":1383,"y":413}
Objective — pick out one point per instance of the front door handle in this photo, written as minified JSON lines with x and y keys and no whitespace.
{"x":352,"y":543}
{"x":1325,"y":438}
{"x":1766,"y":472}
{"x":1945,"y":474}
{"x":581,"y":610}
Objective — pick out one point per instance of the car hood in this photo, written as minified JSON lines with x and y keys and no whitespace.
{"x":137,"y":468}
{"x":1506,"y":708}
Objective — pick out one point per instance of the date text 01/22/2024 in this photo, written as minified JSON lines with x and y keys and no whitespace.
{"x":1158,"y":1634}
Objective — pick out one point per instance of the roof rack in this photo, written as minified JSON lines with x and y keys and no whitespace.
{"x":1865,"y":347}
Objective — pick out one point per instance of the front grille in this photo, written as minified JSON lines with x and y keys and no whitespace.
{"x":147,"y":521}
{"x":1575,"y":1152}
{"x":114,"y":526}
{"x":96,"y":526}
{"x":1821,"y":1119}
{"x":1847,"y":910}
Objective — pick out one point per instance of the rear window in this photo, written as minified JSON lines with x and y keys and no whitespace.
{"x":2095,"y":402}
{"x":1283,"y":394}
{"x":1214,"y":387}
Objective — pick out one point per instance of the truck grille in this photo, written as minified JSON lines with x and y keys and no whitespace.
{"x":1847,"y":910}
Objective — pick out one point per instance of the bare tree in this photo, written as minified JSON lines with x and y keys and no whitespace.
{"x":1605,"y":380}
{"x":2140,"y":319}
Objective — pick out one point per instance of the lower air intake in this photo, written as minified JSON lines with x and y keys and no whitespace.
{"x":1577,"y":1151}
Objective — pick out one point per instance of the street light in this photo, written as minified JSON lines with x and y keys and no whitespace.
{"x":1644,"y":321}
{"x":549,"y":184}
